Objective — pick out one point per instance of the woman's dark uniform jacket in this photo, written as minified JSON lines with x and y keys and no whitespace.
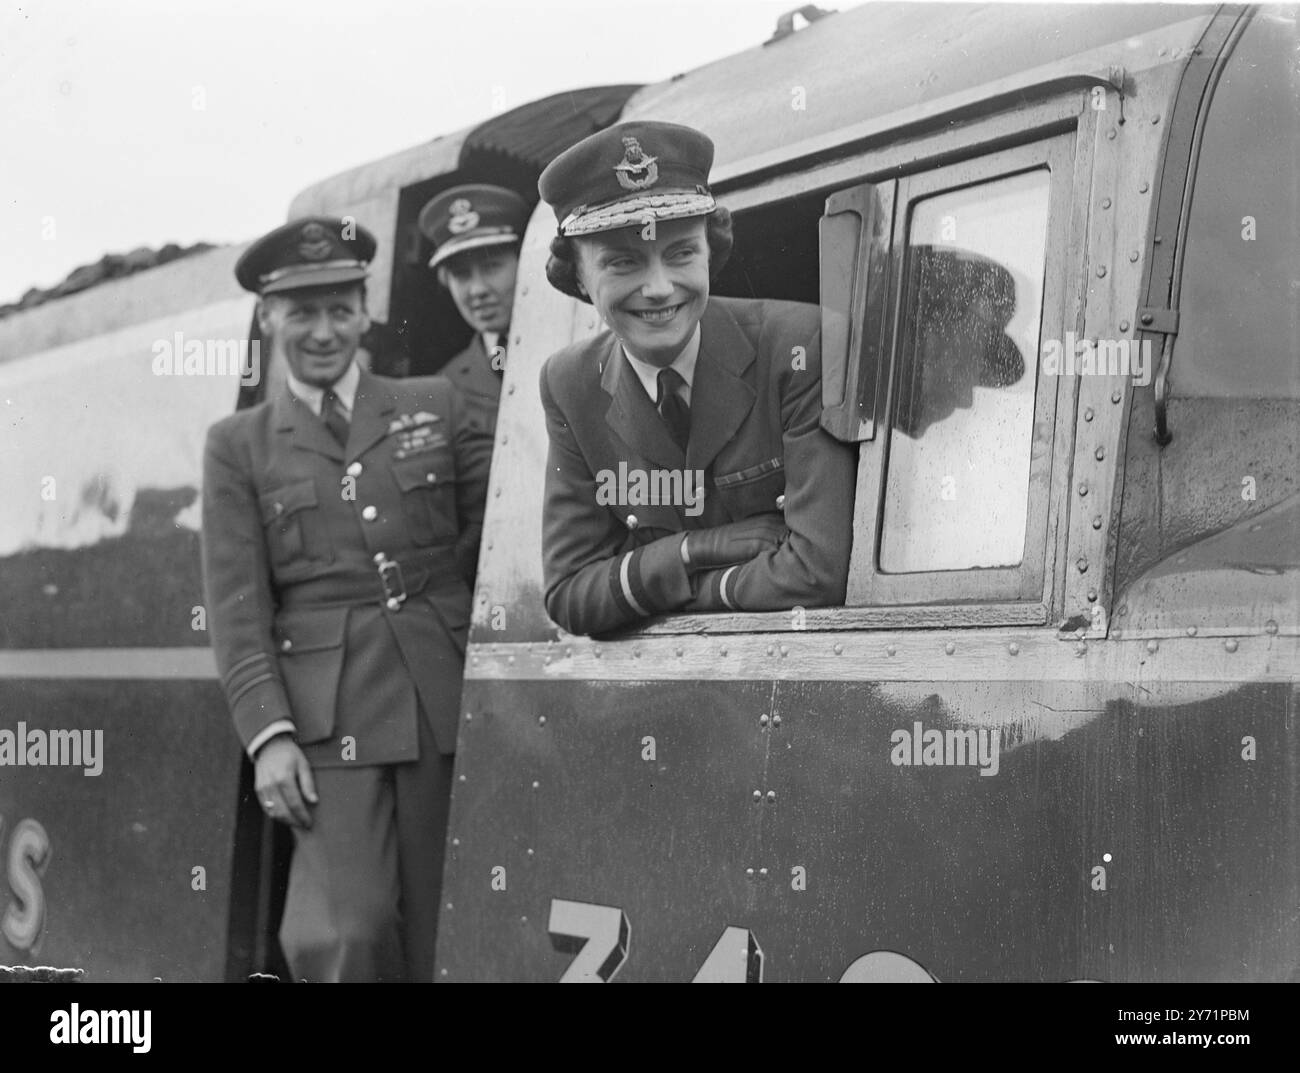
{"x":755,"y":408}
{"x":300,"y":623}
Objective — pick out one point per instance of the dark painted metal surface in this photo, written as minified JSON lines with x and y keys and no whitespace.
{"x":118,"y":887}
{"x":971,"y":877}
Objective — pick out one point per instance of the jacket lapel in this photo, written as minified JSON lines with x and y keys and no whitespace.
{"x":721,"y":397}
{"x":305,"y":430}
{"x":481,"y":380}
{"x":374,"y":402}
{"x":632,"y":415}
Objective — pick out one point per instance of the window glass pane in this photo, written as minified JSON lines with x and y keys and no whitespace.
{"x":957,"y":489}
{"x":1240,"y":301}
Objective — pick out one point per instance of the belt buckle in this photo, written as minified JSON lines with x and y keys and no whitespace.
{"x":390,"y":577}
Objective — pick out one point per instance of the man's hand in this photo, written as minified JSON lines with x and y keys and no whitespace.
{"x":733,"y":543}
{"x":284,"y":782}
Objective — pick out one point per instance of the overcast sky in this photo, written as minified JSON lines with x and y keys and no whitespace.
{"x":143,"y":122}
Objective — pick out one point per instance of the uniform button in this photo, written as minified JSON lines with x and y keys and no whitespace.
{"x":369,"y":513}
{"x":379,"y":557}
{"x":394,"y":604}
{"x":354,"y":470}
{"x":286,"y":645}
{"x":780,"y":501}
{"x":279,"y":509}
{"x":430,"y":477}
{"x":632,"y":521}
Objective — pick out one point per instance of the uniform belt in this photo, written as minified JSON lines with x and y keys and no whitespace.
{"x":388,"y":584}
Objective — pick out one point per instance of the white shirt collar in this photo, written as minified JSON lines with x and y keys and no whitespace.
{"x":684,"y":363}
{"x":345,"y":387}
{"x":489,"y":341}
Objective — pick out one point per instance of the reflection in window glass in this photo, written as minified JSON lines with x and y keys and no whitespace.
{"x":957,"y":490}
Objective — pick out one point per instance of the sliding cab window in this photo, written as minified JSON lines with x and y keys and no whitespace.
{"x":948,"y":284}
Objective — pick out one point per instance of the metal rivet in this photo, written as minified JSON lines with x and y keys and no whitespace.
{"x":722,"y":651}
{"x":784,"y":651}
{"x":1092,"y":596}
{"x":1270,"y":626}
{"x":762,"y":873}
{"x":776,"y":720}
{"x":1157,"y":240}
{"x":770,"y":650}
{"x":1101,"y":271}
{"x":461,"y":777}
{"x":1013,"y":648}
{"x":758,"y":795}
{"x":497,"y":493}
{"x":505,"y":437}
{"x":679,"y":650}
{"x":510,"y":389}
{"x":595,"y":651}
{"x":1154,"y":120}
{"x":1083,"y":489}
{"x":839,"y":649}
{"x":1123,"y":610}
{"x":1153,"y":645}
{"x":771,"y":796}
{"x":749,"y":873}
{"x":950,"y":648}
{"x":541,"y":720}
{"x":536,"y":785}
{"x":1088,"y":414}
{"x":1144,"y":188}
{"x":443,"y":971}
{"x":523,"y":289}
{"x":1147,"y":318}
{"x":890,"y":649}
{"x":1082,"y":564}
{"x":1133,"y":255}
{"x":530,"y":853}
{"x":469,"y":716}
{"x":762,"y":720}
{"x":1230,"y":644}
{"x":1105,"y":203}
{"x":636,"y":653}
{"x":1111,"y":134}
{"x":455,"y":841}
{"x":449,"y":905}
{"x":1191,"y":631}
{"x":1096,"y":521}
{"x":1099,"y":453}
{"x":1123,"y":325}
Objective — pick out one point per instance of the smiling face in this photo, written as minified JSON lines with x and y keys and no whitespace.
{"x":317,"y":330}
{"x":650,"y":292}
{"x":482,"y":284}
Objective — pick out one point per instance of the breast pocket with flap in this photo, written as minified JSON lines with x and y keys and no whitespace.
{"x":291,"y":521}
{"x":428,"y":487}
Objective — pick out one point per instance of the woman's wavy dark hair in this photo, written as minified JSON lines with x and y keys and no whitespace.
{"x":562,"y":265}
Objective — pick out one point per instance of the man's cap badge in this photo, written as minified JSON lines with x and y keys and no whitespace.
{"x":462,"y":216}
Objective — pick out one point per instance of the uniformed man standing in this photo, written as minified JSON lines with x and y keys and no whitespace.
{"x":687,"y":467}
{"x":476,"y":231}
{"x":341,"y":519}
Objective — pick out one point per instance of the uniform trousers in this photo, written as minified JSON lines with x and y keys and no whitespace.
{"x":365,"y":880}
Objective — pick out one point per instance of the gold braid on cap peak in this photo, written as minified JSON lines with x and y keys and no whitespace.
{"x":669,"y":205}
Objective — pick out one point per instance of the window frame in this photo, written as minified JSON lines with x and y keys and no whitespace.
{"x":1026,"y":583}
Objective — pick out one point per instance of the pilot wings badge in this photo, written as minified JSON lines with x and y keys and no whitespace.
{"x":636,"y":171}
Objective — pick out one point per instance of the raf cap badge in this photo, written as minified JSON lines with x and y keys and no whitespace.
{"x":636,"y":171}
{"x":462,"y":216}
{"x":315,"y":244}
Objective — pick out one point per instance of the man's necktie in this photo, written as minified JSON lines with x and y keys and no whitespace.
{"x":331,"y":412}
{"x":675,"y":413}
